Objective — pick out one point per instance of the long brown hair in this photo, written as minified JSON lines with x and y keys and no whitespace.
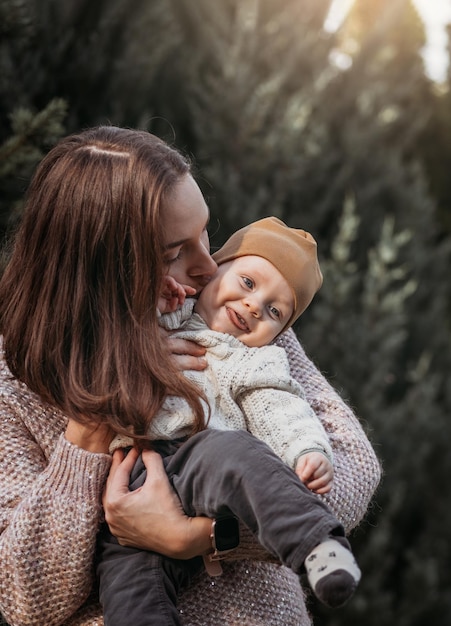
{"x":78,"y":298}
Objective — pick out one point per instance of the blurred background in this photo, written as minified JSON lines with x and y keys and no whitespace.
{"x":336,"y":117}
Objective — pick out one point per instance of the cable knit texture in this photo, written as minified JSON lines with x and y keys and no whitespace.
{"x":50,"y":509}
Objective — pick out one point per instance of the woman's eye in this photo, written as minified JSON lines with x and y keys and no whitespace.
{"x":175,"y":258}
{"x":248,"y":282}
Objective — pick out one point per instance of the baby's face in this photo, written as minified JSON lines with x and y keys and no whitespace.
{"x":247,"y":298}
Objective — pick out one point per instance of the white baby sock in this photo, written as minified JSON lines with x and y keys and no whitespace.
{"x":332,"y":572}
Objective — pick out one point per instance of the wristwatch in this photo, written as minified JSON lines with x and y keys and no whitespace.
{"x":225,"y":537}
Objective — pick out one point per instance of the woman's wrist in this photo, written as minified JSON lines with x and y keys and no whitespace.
{"x":201,"y":541}
{"x":195,"y":539}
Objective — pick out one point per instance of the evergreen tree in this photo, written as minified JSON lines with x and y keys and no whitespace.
{"x":32,"y":135}
{"x":434,"y":146}
{"x":249,"y":116}
{"x":25,"y":133}
{"x":71,"y":62}
{"x":391,"y":345}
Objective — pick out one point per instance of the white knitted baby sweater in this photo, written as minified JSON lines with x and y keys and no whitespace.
{"x":247,"y":389}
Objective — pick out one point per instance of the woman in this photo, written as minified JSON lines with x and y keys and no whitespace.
{"x":108,"y":213}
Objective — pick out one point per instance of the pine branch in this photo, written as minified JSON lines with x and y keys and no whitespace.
{"x":31,"y":133}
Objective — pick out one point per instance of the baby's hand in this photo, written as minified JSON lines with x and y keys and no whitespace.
{"x":316,"y":472}
{"x":173,"y":295}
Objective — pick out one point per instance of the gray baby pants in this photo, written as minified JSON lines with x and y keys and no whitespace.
{"x":214,"y":473}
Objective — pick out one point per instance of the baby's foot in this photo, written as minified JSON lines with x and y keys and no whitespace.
{"x":332,"y":572}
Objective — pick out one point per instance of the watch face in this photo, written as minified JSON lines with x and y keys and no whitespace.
{"x":227,"y":533}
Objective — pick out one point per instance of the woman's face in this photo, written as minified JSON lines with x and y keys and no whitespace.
{"x":187,"y":245}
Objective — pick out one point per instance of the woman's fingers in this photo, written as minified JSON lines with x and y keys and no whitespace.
{"x":183,"y":346}
{"x":187,"y":354}
{"x":119,"y":476}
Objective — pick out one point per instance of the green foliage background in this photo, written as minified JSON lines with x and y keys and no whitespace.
{"x":339,"y":133}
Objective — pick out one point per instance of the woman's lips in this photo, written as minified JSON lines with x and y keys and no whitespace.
{"x":237,"y":320}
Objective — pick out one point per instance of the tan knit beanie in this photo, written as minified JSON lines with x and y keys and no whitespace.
{"x":292,"y":251}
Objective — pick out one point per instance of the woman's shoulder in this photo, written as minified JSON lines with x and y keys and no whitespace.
{"x":21,"y":407}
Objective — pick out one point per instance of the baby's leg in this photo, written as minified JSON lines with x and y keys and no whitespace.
{"x":139,"y":587}
{"x":332,"y":571}
{"x":233,"y":473}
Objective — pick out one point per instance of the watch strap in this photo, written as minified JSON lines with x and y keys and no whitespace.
{"x":213,"y":566}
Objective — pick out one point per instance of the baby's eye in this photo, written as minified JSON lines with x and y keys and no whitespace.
{"x":274,"y":312}
{"x":248,"y":282}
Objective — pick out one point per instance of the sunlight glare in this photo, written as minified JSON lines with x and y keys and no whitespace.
{"x":436,"y":14}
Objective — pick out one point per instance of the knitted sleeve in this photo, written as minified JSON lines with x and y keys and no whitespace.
{"x":275,"y":408}
{"x":285,"y":422}
{"x":357,"y":469}
{"x":50,"y":508}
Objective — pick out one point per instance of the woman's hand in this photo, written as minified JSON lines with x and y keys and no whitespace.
{"x":151,"y":517}
{"x":187,"y":354}
{"x":91,"y":437}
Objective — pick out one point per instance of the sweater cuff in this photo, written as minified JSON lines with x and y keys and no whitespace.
{"x":320,"y":450}
{"x":77,"y":473}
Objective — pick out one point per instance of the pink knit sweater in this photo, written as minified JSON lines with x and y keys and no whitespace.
{"x":50,"y":509}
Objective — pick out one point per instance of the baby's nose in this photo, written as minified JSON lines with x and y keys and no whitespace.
{"x":254,"y":306}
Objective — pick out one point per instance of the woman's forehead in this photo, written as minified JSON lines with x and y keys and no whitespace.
{"x":185,"y":213}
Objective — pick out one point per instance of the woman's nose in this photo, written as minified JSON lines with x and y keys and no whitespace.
{"x":205,"y":266}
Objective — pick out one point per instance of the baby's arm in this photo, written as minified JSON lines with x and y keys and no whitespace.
{"x":357,"y":471}
{"x":274,"y":408}
{"x":316,"y":471}
{"x":173,"y":295}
